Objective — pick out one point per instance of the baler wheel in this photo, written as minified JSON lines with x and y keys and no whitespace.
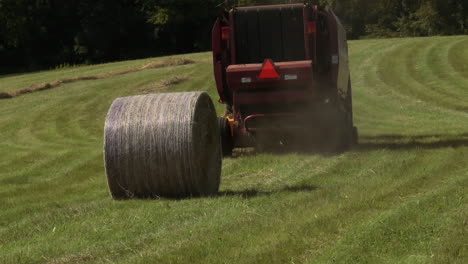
{"x":226,"y":137}
{"x":355,"y":136}
{"x":337,"y":132}
{"x":346,"y":132}
{"x":162,"y":145}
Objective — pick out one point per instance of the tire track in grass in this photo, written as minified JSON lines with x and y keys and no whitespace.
{"x":458,"y":56}
{"x":379,"y":105}
{"x":275,"y":213}
{"x":438,"y":63}
{"x":397,"y":77}
{"x":39,"y":203}
{"x":18,"y":155}
{"x":264,"y":172}
{"x":383,"y":199}
{"x":116,"y":249}
{"x":182,"y":232}
{"x":94,"y":105}
{"x":78,"y":110}
{"x":69,"y":121}
{"x":46,"y":126}
{"x":95,"y":109}
{"x":158,"y":241}
{"x":265,"y":241}
{"x":383,"y":108}
{"x":13,"y":169}
{"x":391,"y":66}
{"x":412,"y":186}
{"x":439,"y":96}
{"x":422,"y":70}
{"x":34,"y":122}
{"x":67,"y":113}
{"x":418,"y":69}
{"x":44,"y":182}
{"x":402,"y":81}
{"x":48,"y":211}
{"x":402,"y":231}
{"x":444,"y":250}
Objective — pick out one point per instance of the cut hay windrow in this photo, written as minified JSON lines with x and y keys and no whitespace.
{"x":46,"y":86}
{"x":162,"y":145}
{"x":172,"y":81}
{"x":157,"y":87}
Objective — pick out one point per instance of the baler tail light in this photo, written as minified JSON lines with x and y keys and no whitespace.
{"x":311,"y":27}
{"x":225,"y":33}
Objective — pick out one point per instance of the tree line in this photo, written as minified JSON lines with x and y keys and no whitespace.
{"x":38,"y":34}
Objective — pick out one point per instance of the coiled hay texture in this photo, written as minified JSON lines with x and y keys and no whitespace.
{"x":162,"y":145}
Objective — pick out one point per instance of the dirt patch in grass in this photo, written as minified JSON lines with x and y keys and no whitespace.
{"x":152,"y":65}
{"x":164,"y":84}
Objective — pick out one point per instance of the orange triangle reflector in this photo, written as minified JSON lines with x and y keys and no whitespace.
{"x":268,"y":71}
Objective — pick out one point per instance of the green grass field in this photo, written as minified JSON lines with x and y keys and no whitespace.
{"x":399,"y":197}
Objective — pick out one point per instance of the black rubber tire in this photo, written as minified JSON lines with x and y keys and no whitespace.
{"x":355,"y":139}
{"x":338,"y":133}
{"x":349,"y":133}
{"x":226,"y":137}
{"x":354,"y":129}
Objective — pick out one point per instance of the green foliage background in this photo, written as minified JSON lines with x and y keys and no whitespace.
{"x":37,"y":34}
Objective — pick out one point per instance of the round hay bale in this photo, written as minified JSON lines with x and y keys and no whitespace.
{"x":162,"y":145}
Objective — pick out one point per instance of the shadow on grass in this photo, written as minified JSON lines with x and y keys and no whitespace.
{"x":377,"y":142}
{"x":251,"y":193}
{"x":404,"y":142}
{"x":239,"y":153}
{"x":245,"y":194}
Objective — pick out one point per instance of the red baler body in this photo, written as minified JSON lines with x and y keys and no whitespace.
{"x":279,"y":67}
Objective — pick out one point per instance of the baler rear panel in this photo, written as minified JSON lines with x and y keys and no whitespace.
{"x":275,"y":32}
{"x":306,"y":47}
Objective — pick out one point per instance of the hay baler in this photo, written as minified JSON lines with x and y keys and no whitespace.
{"x":282,"y":72}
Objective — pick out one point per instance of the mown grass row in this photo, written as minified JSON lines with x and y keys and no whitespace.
{"x":399,"y":197}
{"x":57,"y":83}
